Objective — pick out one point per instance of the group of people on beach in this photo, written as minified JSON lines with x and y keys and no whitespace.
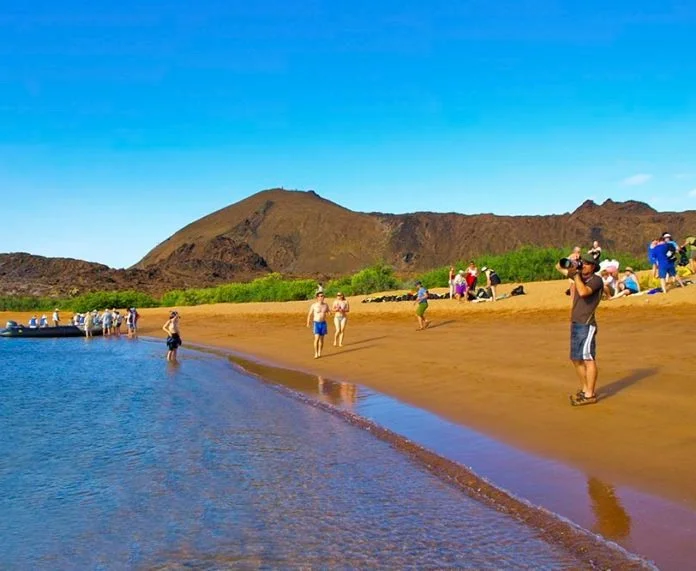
{"x":462,"y":283}
{"x":591,"y":280}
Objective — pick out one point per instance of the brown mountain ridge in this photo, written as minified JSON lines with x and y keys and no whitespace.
{"x":299,"y":233}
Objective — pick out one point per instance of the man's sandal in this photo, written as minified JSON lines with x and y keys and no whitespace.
{"x":580,"y":399}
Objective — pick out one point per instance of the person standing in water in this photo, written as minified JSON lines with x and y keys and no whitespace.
{"x":340,"y":309}
{"x":317,"y":314}
{"x":171,"y":328}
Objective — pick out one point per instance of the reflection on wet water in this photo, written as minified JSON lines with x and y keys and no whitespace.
{"x":612,"y":520}
{"x":337,"y":392}
{"x":198,"y":466}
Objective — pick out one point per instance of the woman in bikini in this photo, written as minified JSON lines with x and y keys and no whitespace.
{"x":340,"y":309}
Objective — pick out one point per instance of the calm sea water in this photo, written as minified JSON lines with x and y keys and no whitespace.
{"x":111,"y":459}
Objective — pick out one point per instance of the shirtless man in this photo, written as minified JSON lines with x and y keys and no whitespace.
{"x":171,"y":328}
{"x":318,"y":312}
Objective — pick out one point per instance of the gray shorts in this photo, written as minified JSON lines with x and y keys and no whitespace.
{"x":583,"y":342}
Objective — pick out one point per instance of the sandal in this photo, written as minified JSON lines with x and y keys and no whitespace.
{"x":580,"y":399}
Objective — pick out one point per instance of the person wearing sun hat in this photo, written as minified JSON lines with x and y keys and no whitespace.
{"x":492,"y":280}
{"x":583,"y":326}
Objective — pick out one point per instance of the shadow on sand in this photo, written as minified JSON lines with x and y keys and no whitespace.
{"x":611,"y":389}
{"x":441,"y":324}
{"x":365,"y":340}
{"x":342,"y":351}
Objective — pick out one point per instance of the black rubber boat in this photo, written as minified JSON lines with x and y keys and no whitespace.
{"x":16,"y":330}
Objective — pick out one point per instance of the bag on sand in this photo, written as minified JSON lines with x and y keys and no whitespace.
{"x":519,"y":290}
{"x":482,"y":294}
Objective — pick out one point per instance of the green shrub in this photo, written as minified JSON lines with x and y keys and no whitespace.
{"x":269,"y":288}
{"x":379,"y":277}
{"x":107,"y":299}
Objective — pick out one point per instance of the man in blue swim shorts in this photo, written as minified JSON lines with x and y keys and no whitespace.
{"x":318,"y":312}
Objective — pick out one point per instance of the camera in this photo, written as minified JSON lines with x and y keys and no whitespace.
{"x":567,"y":263}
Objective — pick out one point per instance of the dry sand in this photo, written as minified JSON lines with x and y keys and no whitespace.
{"x":503,"y":368}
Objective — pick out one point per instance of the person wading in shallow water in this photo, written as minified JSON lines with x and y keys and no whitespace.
{"x":317,"y":314}
{"x":171,"y":328}
{"x":588,"y":288}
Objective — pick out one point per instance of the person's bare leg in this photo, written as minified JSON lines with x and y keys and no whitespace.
{"x":495,"y":297}
{"x":320,"y":345}
{"x":316,"y":346}
{"x":663,"y":285}
{"x":338,"y":332}
{"x":591,"y":378}
{"x":582,"y":375}
{"x":342,"y":333}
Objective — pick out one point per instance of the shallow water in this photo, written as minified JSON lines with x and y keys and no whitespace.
{"x":109,"y":458}
{"x":657,"y":529}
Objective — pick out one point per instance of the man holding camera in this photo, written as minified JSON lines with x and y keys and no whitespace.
{"x":583,"y":325}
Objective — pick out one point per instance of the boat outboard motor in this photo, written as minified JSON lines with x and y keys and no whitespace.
{"x":11,"y":324}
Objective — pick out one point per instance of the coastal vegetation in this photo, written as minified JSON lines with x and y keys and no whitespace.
{"x":526,"y":264}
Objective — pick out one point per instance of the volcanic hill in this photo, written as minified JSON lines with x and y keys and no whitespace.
{"x":299,"y":233}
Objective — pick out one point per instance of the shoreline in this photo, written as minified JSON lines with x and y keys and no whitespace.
{"x":502,"y":369}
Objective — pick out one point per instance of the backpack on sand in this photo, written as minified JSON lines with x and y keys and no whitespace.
{"x":519,"y":290}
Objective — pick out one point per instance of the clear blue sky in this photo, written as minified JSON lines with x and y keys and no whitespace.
{"x":121,"y":123}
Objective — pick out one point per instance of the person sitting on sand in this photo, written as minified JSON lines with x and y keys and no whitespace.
{"x":340,"y":309}
{"x":628,"y":284}
{"x":421,"y":306}
{"x":171,"y":328}
{"x":317,"y":315}
{"x":459,"y":285}
{"x":609,"y":283}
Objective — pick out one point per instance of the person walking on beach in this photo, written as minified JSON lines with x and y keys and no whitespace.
{"x":340,"y":309}
{"x":317,"y":315}
{"x":171,"y":328}
{"x":421,"y":306}
{"x":588,"y":287}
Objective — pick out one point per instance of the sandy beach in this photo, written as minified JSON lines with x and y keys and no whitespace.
{"x":502,"y":368}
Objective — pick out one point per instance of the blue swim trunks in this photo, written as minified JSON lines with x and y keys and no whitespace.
{"x":320,"y":328}
{"x":583,"y":342}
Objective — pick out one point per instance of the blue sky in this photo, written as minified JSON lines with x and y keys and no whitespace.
{"x":121,"y":123}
